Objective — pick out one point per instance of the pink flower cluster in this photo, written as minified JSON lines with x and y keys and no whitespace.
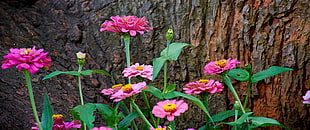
{"x":203,"y":85}
{"x":101,"y":128}
{"x":120,"y":92}
{"x":159,"y":128}
{"x":125,"y":24}
{"x":217,"y":67}
{"x":135,"y":70}
{"x":169,"y":109}
{"x":306,"y":98}
{"x":59,"y":124}
{"x":26,"y":58}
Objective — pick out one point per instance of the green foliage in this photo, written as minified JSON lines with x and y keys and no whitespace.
{"x":155,"y":91}
{"x":47,"y":114}
{"x":224,"y":115}
{"x":263,"y":121}
{"x":85,"y":114}
{"x":167,"y":55}
{"x":171,"y":88}
{"x":75,"y":73}
{"x":195,"y":100}
{"x":273,"y":70}
{"x":102,"y":72}
{"x":239,"y":74}
{"x":110,"y":115}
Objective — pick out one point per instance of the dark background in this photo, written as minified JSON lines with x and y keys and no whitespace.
{"x":263,"y":33}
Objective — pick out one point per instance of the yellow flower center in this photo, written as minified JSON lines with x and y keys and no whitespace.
{"x":159,"y":129}
{"x":117,"y":85}
{"x":57,"y":116}
{"x":203,"y":81}
{"x":139,"y":67}
{"x":127,"y":88}
{"x":221,"y":63}
{"x":170,"y":107}
{"x":25,"y":51}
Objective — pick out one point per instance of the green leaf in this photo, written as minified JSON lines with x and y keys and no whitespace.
{"x":224,"y":115}
{"x":273,"y":70}
{"x":75,"y":73}
{"x":47,"y":114}
{"x":86,"y":72}
{"x":171,"y":87}
{"x":109,"y":114}
{"x":102,"y":72}
{"x":174,"y":50}
{"x":128,"y":119}
{"x":263,"y":121}
{"x":195,"y":100}
{"x":157,"y":65}
{"x":85,"y":114}
{"x":239,"y":74}
{"x":240,"y":120}
{"x":155,"y":91}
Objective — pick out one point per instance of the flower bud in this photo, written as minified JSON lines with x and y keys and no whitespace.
{"x":80,"y":55}
{"x":169,"y":34}
{"x":81,"y":58}
{"x":237,"y":105}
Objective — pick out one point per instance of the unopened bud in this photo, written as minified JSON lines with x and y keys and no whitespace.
{"x":169,"y":34}
{"x":80,"y":55}
{"x":237,"y":105}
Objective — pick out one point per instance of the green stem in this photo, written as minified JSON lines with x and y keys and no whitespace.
{"x":148,"y":106}
{"x":232,"y":89}
{"x":127,"y":47}
{"x":34,"y":109}
{"x":205,"y":102}
{"x":80,"y":85}
{"x":236,"y":118}
{"x":80,"y":91}
{"x":165,"y":76}
{"x":247,"y":94}
{"x":135,"y":106}
{"x":172,"y":125}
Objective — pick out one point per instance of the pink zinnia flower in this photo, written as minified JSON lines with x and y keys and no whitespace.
{"x":59,"y":124}
{"x":135,"y":70}
{"x":203,"y":85}
{"x":125,"y":24}
{"x":127,"y":90}
{"x":26,"y":58}
{"x":169,"y":109}
{"x":159,"y":128}
{"x":217,"y":67}
{"x":101,"y":128}
{"x":112,"y":90}
{"x":306,"y":98}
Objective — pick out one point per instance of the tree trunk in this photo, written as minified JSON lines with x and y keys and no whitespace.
{"x":262,"y":33}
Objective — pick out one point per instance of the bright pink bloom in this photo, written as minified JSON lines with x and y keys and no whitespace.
{"x":306,"y":98}
{"x":112,"y":90}
{"x":217,"y":67}
{"x":26,"y":58}
{"x":127,"y":90}
{"x":169,"y":108}
{"x":125,"y":24}
{"x":190,"y":129}
{"x":135,"y":70}
{"x":159,"y":128}
{"x":203,"y":85}
{"x":59,"y":124}
{"x":101,"y":128}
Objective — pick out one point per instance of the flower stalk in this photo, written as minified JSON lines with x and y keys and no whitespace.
{"x":34,"y":109}
{"x":232,"y":89}
{"x":127,"y":47}
{"x":136,"y":107}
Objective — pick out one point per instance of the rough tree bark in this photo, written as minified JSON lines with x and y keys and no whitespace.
{"x":262,"y":33}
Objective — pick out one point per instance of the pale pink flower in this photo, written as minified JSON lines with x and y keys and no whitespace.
{"x":26,"y":58}
{"x":169,"y":109}
{"x":59,"y":124}
{"x":101,"y":128}
{"x":190,"y":129}
{"x":217,"y":67}
{"x":159,"y":128}
{"x":128,"y":90}
{"x":126,"y":24}
{"x":306,"y":98}
{"x":135,"y":70}
{"x":203,"y":85}
{"x":112,"y":90}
